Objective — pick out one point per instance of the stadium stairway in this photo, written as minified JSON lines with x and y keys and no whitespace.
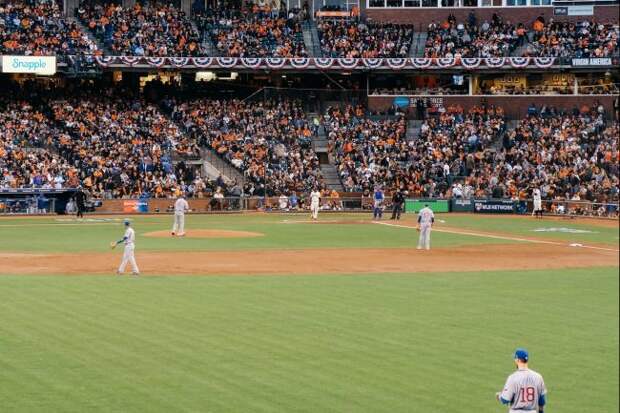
{"x":311,"y":39}
{"x":90,"y":35}
{"x":331,"y":178}
{"x":417,"y":45}
{"x":214,"y":166}
{"x":413,"y":129}
{"x":326,"y":161}
{"x":206,"y":42}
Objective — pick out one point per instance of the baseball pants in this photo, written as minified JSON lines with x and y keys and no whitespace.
{"x":179,"y":224}
{"x":396,"y":210}
{"x":425,"y":237}
{"x":377,"y":212}
{"x":128,"y":258}
{"x":314,"y":209}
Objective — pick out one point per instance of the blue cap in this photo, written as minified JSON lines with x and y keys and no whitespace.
{"x":522,"y":354}
{"x":126,"y":222}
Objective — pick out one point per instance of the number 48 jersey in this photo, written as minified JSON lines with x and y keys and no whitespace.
{"x":524,"y":389}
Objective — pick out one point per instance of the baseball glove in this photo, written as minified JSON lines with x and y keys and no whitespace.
{"x":417,"y":229}
{"x":112,"y":244}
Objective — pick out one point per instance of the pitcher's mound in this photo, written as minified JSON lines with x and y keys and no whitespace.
{"x":206,"y":233}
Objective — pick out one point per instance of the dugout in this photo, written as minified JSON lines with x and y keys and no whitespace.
{"x":34,"y":200}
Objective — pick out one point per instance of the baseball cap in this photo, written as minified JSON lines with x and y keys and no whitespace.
{"x":522,"y":354}
{"x":126,"y":222}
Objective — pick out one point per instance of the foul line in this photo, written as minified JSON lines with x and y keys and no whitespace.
{"x":477,"y":234}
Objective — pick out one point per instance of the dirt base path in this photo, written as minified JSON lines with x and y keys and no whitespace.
{"x":317,"y":261}
{"x":206,"y":233}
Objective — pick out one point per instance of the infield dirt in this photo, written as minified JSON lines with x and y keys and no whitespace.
{"x":317,"y":261}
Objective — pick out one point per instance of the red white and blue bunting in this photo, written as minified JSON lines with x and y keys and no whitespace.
{"x":270,"y":63}
{"x":544,"y":62}
{"x":470,"y":62}
{"x":202,"y":62}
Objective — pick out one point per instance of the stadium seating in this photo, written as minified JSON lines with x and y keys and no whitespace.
{"x":566,"y":39}
{"x":254,"y":33}
{"x":154,"y":30}
{"x":269,"y":142}
{"x":494,"y":38}
{"x":40,"y":30}
{"x":357,"y":38}
{"x":373,"y":153}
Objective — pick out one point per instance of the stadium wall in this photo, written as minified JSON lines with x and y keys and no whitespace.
{"x":515,"y":106}
{"x":423,"y":16}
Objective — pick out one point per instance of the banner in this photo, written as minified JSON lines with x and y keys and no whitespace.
{"x":494,"y":206}
{"x":323,"y":63}
{"x":592,"y":61}
{"x":36,"y":65}
{"x":437,"y":205}
{"x":462,"y":205}
{"x":132,"y":206}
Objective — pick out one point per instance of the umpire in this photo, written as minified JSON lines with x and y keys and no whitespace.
{"x":398,"y":199}
{"x":80,"y":202}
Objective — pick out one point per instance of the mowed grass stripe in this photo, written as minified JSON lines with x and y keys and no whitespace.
{"x":364,"y":343}
{"x":88,"y":344}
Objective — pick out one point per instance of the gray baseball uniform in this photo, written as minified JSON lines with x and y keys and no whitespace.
{"x":524,"y":391}
{"x":425,"y":222}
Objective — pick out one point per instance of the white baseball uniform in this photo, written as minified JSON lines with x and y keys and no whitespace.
{"x":537,"y":200}
{"x":315,"y":197}
{"x":524,"y":391}
{"x":180,"y":206}
{"x":128,"y":254}
{"x":425,"y":221}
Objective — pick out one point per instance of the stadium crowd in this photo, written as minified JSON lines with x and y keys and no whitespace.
{"x":254,"y":32}
{"x":25,"y":161}
{"x":499,"y":37}
{"x":373,"y":153}
{"x":567,"y":154}
{"x":40,"y":30}
{"x":494,"y":38}
{"x":117,"y":145}
{"x":269,"y":142}
{"x":152,"y":30}
{"x":575,"y":40}
{"x":358,"y":38}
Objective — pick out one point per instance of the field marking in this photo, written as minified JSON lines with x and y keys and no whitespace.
{"x":503,"y":237}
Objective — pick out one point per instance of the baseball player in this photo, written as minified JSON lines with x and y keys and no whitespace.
{"x":180,"y":207}
{"x":378,"y":198}
{"x":525,"y":389}
{"x":315,"y":198}
{"x":426,"y":219}
{"x":128,"y":257}
{"x":537,"y":210}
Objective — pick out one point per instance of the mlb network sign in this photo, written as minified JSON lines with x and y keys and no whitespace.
{"x":36,"y":65}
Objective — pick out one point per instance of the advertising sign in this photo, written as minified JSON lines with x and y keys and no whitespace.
{"x":36,"y":65}
{"x":592,"y":61}
{"x":133,"y":206}
{"x":437,"y":205}
{"x":462,"y":205}
{"x":494,"y":206}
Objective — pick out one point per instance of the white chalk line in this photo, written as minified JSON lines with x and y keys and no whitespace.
{"x":503,"y":237}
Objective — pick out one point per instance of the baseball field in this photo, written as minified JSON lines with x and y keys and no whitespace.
{"x":275,"y":313}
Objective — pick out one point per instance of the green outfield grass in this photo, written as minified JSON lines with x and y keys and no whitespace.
{"x":436,"y":342}
{"x":66,"y":234}
{"x":391,"y":343}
